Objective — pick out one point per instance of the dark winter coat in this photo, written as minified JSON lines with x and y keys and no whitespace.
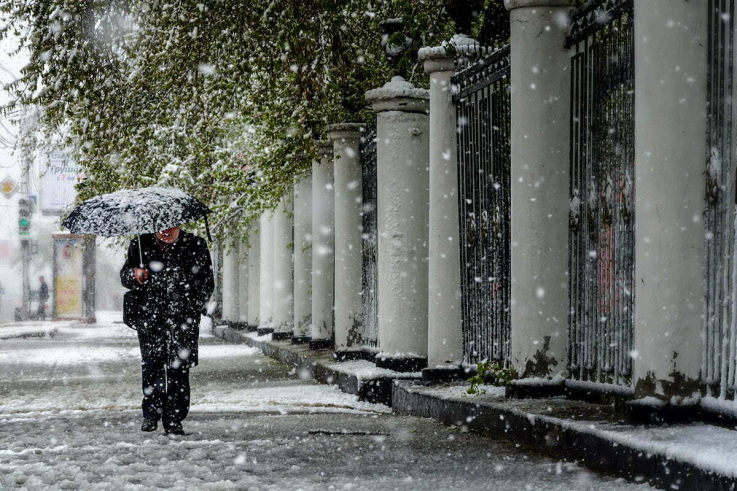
{"x":179,"y":285}
{"x":43,"y":292}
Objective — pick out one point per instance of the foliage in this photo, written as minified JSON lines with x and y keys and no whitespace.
{"x":222,"y":98}
{"x":486,"y":373}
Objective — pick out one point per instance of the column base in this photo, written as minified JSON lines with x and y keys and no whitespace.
{"x":450,"y":373}
{"x":403,"y":363}
{"x":348,"y":354}
{"x":263,"y":331}
{"x":301,"y":339}
{"x":317,"y":344}
{"x":650,"y":410}
{"x":238,"y":326}
{"x":281,"y":335}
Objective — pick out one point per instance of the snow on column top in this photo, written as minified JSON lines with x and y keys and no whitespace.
{"x":398,"y":95}
{"x":462,"y":44}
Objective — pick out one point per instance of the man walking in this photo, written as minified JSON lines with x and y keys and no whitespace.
{"x":172,"y":271}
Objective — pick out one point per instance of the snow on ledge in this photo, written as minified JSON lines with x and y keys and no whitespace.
{"x":365,"y":370}
{"x":708,"y":447}
{"x":539,"y":381}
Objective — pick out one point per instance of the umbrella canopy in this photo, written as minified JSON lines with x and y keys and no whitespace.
{"x":135,"y":211}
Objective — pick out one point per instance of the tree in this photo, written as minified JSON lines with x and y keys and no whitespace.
{"x":222,"y":98}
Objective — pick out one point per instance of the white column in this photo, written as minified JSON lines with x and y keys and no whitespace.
{"x":444,"y":330}
{"x":346,"y":140}
{"x":323,"y":252}
{"x":283,"y":274}
{"x":540,"y":78}
{"x":230,"y":277}
{"x":254,"y":274}
{"x":302,"y":259}
{"x":242,"y":284}
{"x":670,"y":155}
{"x":403,"y":161}
{"x":267,"y":273}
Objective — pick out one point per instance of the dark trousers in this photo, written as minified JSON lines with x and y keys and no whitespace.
{"x":165,"y":391}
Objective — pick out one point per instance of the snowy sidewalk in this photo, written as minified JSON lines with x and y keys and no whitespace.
{"x":70,"y":416}
{"x":683,"y":456}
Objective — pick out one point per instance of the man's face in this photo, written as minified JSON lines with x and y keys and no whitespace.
{"x":168,"y":236}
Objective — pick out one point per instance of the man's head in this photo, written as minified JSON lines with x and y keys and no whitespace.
{"x":41,"y":279}
{"x":169,"y":236}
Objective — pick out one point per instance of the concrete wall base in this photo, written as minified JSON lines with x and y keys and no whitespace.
{"x":263,"y":331}
{"x":445,"y":374}
{"x":348,"y":354}
{"x":281,"y":335}
{"x":537,"y":391}
{"x":319,"y":344}
{"x":401,"y":363}
{"x":301,"y":339}
{"x":556,"y":436}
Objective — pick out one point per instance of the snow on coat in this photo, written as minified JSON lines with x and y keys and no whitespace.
{"x":179,"y":285}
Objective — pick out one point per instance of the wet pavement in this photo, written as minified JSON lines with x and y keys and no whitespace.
{"x":70,"y":417}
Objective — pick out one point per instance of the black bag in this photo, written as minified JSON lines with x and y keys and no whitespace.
{"x":132,"y":303}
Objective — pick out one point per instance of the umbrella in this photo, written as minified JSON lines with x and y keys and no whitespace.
{"x":136,"y":211}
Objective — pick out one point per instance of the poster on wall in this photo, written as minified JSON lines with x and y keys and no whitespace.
{"x":69,"y":278}
{"x":57,"y":183}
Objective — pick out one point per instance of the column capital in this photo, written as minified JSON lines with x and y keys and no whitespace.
{"x":443,"y":58}
{"x":345,"y":131}
{"x":520,"y":4}
{"x":399,"y":95}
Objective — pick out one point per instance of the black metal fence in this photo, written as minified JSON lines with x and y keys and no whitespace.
{"x":370,"y":324}
{"x":720,"y":329}
{"x":602,"y":193}
{"x":483,"y":110}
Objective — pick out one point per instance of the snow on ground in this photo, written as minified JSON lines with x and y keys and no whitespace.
{"x":70,"y":416}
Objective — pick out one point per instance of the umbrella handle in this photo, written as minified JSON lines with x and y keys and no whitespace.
{"x":140,"y":251}
{"x":207,"y":229}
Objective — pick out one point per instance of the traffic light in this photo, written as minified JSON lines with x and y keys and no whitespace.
{"x":24,"y":217}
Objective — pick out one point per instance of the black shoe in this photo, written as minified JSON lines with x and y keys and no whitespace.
{"x":175,"y":429}
{"x":149,"y":425}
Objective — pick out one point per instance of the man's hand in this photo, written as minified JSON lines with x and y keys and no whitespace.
{"x":141,"y":275}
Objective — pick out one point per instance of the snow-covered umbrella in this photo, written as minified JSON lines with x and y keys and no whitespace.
{"x":135,"y":211}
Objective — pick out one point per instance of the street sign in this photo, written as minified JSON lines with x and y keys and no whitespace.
{"x":8,"y":187}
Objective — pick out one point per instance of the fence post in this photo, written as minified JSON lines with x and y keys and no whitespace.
{"x":323,"y":248}
{"x":243,"y":293}
{"x":266,"y":279}
{"x":283,"y":274}
{"x":302,"y":259}
{"x":540,"y":100}
{"x":670,"y":151}
{"x":346,"y":138}
{"x":445,"y":334}
{"x":254,"y":274}
{"x":230,"y":282}
{"x":403,"y":160}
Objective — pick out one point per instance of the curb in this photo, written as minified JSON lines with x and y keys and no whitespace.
{"x":320,"y":366}
{"x":560,"y":436}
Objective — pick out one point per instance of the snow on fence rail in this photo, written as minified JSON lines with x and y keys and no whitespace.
{"x":602,"y":193}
